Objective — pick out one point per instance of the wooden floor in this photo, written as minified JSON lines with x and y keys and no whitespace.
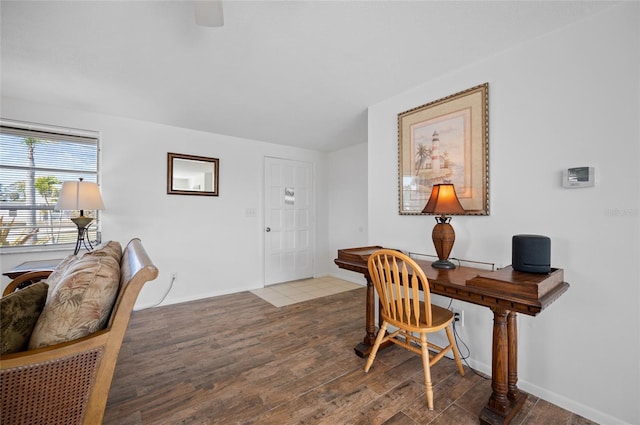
{"x":237,"y":359}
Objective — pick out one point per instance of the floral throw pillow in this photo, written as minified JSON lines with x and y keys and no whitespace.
{"x":110,"y":248}
{"x":58,"y":273}
{"x":19,"y":312}
{"x":81,"y":303}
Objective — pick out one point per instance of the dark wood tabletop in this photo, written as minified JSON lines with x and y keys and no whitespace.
{"x":527,"y":293}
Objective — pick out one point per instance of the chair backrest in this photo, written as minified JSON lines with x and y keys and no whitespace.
{"x":399,"y":281}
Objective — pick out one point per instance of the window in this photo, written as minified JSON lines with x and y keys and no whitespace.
{"x":34,"y":162}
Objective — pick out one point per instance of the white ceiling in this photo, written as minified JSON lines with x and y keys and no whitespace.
{"x":298,"y":73}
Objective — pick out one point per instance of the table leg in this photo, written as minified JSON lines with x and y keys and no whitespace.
{"x":506,"y":400}
{"x":498,"y":401}
{"x":365,"y":346}
{"x":513,"y":393}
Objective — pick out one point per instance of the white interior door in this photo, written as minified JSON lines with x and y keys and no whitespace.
{"x":289,"y":227}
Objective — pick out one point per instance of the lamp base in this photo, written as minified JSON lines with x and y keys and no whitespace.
{"x":82,"y":221}
{"x":443,"y":237}
{"x":83,"y":232}
{"x":443,"y":264}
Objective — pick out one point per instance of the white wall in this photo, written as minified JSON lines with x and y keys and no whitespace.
{"x":570,"y":98}
{"x":347,"y":174}
{"x":208,"y":241}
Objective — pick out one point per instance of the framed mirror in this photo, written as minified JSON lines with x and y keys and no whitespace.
{"x":192,"y":175}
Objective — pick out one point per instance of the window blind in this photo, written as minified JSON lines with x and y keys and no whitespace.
{"x":34,"y":162}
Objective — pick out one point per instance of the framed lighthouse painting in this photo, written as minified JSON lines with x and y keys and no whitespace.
{"x":445,"y":141}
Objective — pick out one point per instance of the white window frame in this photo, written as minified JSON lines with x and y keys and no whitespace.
{"x":62,"y":234}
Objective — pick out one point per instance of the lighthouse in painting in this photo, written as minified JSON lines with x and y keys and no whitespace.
{"x":435,"y":152}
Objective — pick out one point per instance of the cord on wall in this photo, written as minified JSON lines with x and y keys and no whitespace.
{"x":459,"y":342}
{"x":173,"y":279}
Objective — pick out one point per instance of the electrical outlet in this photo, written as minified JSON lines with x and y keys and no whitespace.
{"x":458,"y":317}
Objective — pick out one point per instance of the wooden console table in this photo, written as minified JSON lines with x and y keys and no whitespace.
{"x":506,"y":292}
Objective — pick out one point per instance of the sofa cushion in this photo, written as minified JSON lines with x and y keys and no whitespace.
{"x":19,"y":312}
{"x":81,"y":303}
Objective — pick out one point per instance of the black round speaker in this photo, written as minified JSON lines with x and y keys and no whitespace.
{"x":531,"y":253}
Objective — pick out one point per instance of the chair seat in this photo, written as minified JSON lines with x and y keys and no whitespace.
{"x":440,"y":319}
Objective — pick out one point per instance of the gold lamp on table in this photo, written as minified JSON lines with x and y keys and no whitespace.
{"x":443,"y":201}
{"x":81,"y":196}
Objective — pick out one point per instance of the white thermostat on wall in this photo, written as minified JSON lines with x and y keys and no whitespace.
{"x":573,"y":178}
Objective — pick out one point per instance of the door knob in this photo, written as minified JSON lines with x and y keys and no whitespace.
{"x":268,"y":229}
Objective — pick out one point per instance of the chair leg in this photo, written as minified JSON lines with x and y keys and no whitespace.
{"x":427,"y":370}
{"x":376,"y":345}
{"x":454,"y":348}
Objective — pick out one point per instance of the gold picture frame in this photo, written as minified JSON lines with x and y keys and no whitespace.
{"x":445,"y":141}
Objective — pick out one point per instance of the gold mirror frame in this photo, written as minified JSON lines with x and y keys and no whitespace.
{"x":192,"y":175}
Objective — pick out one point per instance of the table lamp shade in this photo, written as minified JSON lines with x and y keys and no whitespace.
{"x":79,"y":195}
{"x":443,"y":200}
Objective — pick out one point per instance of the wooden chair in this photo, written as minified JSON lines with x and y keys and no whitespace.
{"x":68,"y":383}
{"x":399,"y":281}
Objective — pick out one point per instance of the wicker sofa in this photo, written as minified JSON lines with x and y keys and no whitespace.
{"x":58,"y":381}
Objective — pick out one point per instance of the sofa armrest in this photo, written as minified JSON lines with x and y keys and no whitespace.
{"x":25,"y":280}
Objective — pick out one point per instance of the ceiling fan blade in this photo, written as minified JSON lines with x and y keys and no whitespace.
{"x":209,"y":13}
